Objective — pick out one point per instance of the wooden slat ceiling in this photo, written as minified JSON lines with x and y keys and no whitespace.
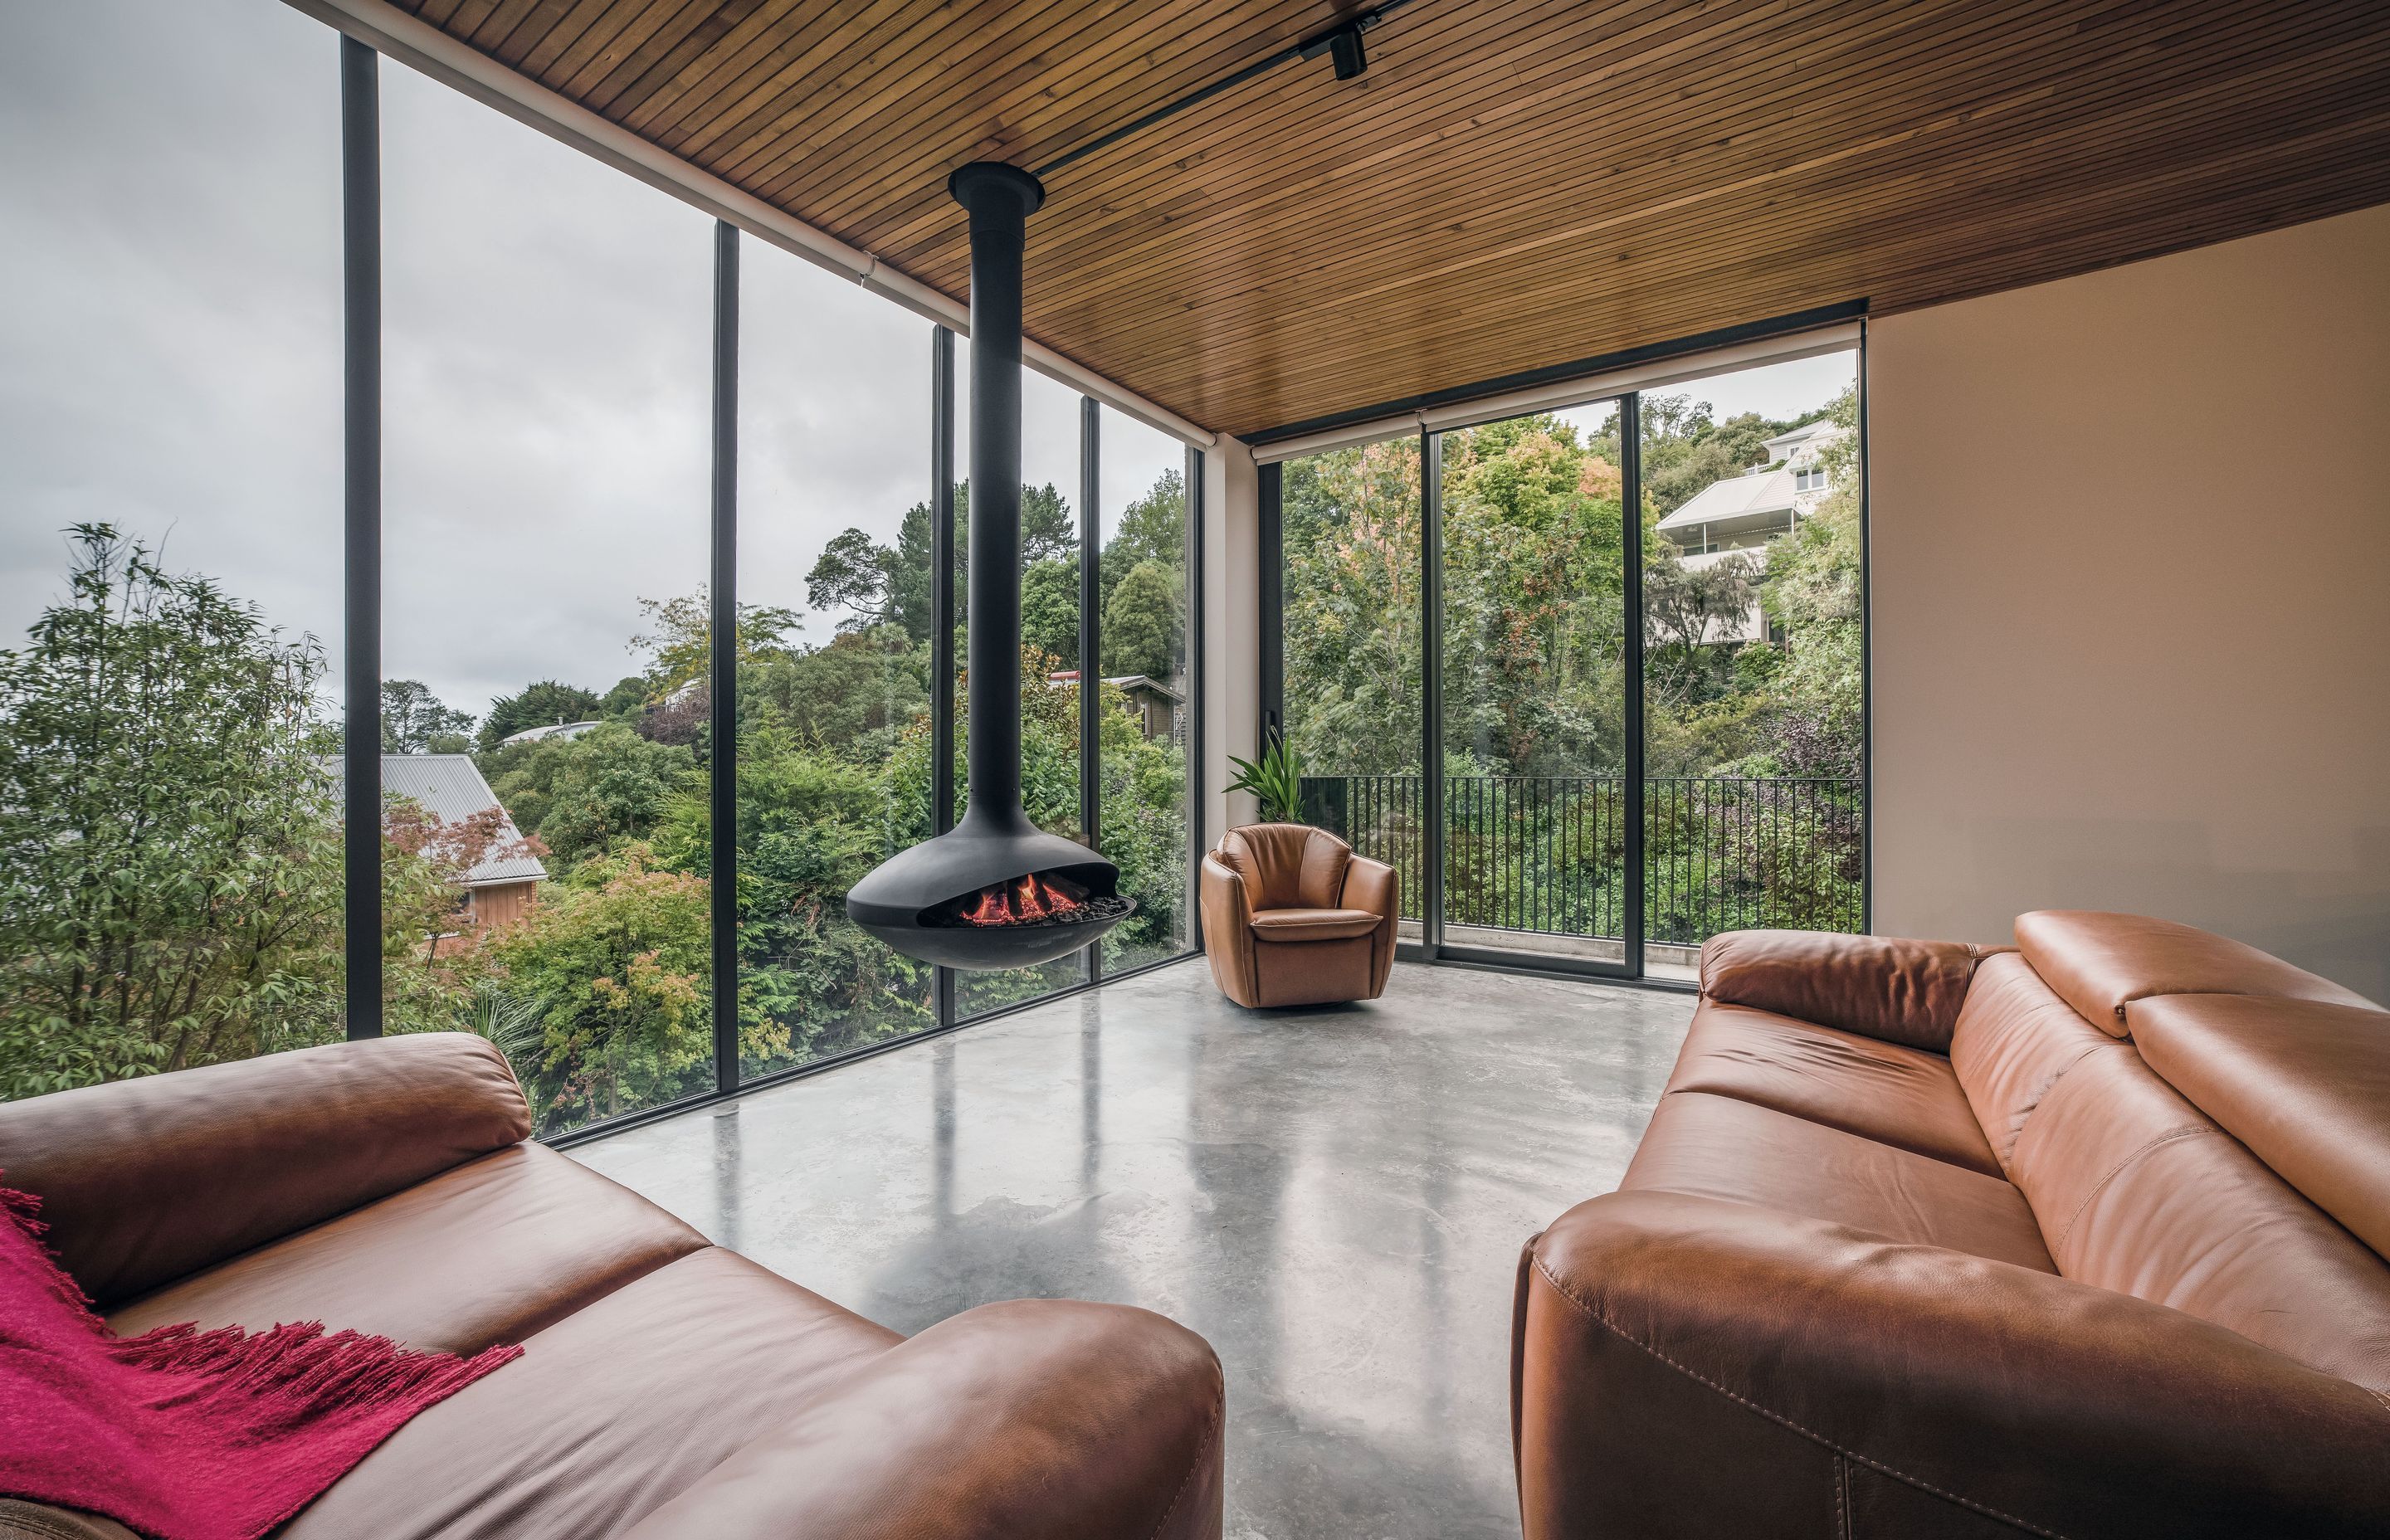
{"x":1514,"y":183}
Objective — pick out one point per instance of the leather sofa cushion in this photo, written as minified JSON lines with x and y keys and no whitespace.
{"x":1313,"y":924}
{"x":2140,"y":1192}
{"x":144,"y":1181}
{"x":609,"y":1413}
{"x":491,"y":1251}
{"x":1707,"y":1146}
{"x":2014,"y":1041}
{"x":1906,"y":991}
{"x":2099,"y":963}
{"x":1862,"y":1086}
{"x":2304,"y":1086}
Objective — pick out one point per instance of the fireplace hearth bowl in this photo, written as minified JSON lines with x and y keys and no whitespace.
{"x":920,"y":900}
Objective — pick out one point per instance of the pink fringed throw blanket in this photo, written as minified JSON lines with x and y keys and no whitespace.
{"x":184,"y":1434}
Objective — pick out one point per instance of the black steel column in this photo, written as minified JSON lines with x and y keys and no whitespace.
{"x":722,"y":685}
{"x":1198,"y":671}
{"x":942,"y":621}
{"x":1432,"y":688}
{"x":1866,"y":663}
{"x":1091,"y":637}
{"x":361,"y":547}
{"x":1000,"y":199}
{"x":1273,"y":606}
{"x":1630,"y":498}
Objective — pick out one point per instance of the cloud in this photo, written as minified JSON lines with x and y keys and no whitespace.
{"x":169,"y":357}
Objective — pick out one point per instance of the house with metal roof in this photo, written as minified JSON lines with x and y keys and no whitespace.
{"x":451,"y":789}
{"x":1740,"y":515}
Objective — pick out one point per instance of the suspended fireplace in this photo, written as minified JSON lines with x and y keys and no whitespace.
{"x":997,"y":892}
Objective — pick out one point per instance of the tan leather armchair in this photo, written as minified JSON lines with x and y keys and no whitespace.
{"x":1292,"y":918}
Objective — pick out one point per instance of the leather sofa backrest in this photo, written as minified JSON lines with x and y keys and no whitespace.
{"x":2305,"y":1084}
{"x":2138,"y":1192}
{"x":1287,"y":866}
{"x":2101,"y":963}
{"x":146,"y":1181}
{"x":2014,"y":1040}
{"x":1905,"y":992}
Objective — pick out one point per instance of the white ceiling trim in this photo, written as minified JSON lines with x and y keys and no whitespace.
{"x":1579,"y":392}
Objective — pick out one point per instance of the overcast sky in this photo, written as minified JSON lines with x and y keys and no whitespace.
{"x":169,"y":357}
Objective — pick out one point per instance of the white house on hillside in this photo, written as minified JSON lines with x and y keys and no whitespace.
{"x":1743,"y":513}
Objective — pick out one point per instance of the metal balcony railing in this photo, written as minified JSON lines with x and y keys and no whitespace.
{"x":1547,"y":855}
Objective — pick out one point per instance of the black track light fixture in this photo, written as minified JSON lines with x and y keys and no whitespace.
{"x":1341,"y":43}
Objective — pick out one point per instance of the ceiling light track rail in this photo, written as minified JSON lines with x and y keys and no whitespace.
{"x":1342,"y":43}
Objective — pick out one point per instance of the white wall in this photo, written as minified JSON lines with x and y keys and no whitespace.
{"x":1231,"y":629}
{"x":2130,"y":546}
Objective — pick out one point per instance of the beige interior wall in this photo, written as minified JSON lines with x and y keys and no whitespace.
{"x":1231,"y":629}
{"x":2130,"y":546}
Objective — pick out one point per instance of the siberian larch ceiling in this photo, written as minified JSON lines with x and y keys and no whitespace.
{"x":1511,"y":185}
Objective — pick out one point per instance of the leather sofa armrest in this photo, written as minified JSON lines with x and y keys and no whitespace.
{"x":146,"y":1181}
{"x":1015,"y":1421}
{"x":1228,"y":930}
{"x":1887,"y":987}
{"x":1374,"y":886}
{"x":1686,"y":1364}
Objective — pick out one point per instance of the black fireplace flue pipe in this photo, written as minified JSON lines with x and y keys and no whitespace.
{"x":999,"y":199}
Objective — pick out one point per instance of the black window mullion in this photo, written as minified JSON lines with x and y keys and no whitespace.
{"x":1273,"y":602}
{"x":1630,"y":498}
{"x":1090,"y":643}
{"x":721,"y":687}
{"x":360,"y":536}
{"x":1196,"y":674}
{"x":942,"y":619}
{"x":1431,"y":686}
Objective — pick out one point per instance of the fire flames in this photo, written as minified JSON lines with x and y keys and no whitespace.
{"x":1030,"y":900}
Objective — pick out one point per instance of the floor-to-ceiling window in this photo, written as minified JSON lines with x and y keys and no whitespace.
{"x":615,"y":497}
{"x":1534,"y":600}
{"x":546,"y":327}
{"x":1596,"y":684}
{"x":1144,"y":683}
{"x":836,"y":414}
{"x":171,"y":888}
{"x":1355,"y":638}
{"x":1753,"y":731}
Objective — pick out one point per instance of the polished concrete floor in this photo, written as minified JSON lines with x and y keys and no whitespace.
{"x":1335,"y":1198}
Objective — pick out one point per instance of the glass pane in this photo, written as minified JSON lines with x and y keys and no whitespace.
{"x":1534,"y":697}
{"x":834,"y":724}
{"x":1350,"y":533}
{"x":1751,"y":689}
{"x":1049,"y":646}
{"x":547,"y":336}
{"x":1142,"y":738}
{"x":170,"y":385}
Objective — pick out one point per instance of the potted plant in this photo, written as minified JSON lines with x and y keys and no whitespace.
{"x":1276,"y":780}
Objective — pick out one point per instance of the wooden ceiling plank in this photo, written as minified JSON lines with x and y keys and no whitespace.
{"x":1360,"y":255}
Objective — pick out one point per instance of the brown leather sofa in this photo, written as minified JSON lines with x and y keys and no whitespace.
{"x":1292,"y":918}
{"x":2081,"y":1238}
{"x":668,"y":1387}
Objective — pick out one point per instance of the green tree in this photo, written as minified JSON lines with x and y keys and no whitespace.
{"x":679,"y":640}
{"x":1145,"y":622}
{"x":584,"y":797}
{"x":170,"y":885}
{"x":540,"y":703}
{"x":414,"y":722}
{"x":617,"y":955}
{"x":1049,"y":609}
